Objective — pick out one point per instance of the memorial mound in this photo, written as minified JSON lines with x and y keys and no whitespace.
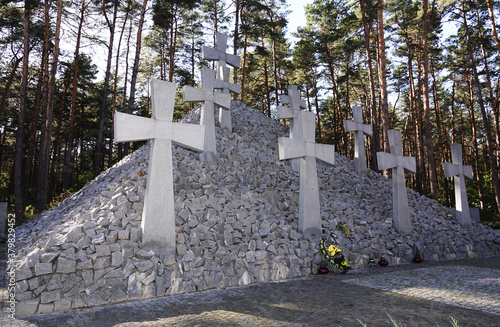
{"x":236,"y":224}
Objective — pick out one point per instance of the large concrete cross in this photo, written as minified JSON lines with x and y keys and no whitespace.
{"x":359,"y":130}
{"x":226,"y":87}
{"x":207,"y":95}
{"x":458,"y":171}
{"x":292,"y":113}
{"x":158,"y":217}
{"x":307,"y":151}
{"x":398,"y":163}
{"x":219,"y":54}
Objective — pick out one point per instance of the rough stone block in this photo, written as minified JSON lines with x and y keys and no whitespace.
{"x":23,"y":272}
{"x":47,"y":297}
{"x":102,"y":250}
{"x":65,"y":266}
{"x":43,"y":269}
{"x":45,"y":308}
{"x":26,"y":308}
{"x":102,"y":262}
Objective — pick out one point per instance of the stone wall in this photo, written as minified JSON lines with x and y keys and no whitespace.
{"x":236,"y":224}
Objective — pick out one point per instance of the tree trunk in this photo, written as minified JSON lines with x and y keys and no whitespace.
{"x":475,"y":147}
{"x":493,"y":25}
{"x":452,"y":108}
{"x":340,"y":127}
{"x":236,"y":35}
{"x":115,"y":86}
{"x":135,"y":69}
{"x":316,"y":103}
{"x":19,"y":154}
{"x":375,"y":141}
{"x":173,"y":33}
{"x":266,"y":86}
{"x":68,"y":165}
{"x":42,"y":177}
{"x":12,"y":75}
{"x":493,"y":99}
{"x":102,"y":111}
{"x":427,"y":110}
{"x":489,"y":143}
{"x":384,"y":102}
{"x":243,"y":66}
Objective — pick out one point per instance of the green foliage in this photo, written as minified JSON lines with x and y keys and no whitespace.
{"x":30,"y":212}
{"x":56,"y":200}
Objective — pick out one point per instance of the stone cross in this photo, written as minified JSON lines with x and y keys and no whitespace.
{"x":458,"y":171}
{"x":359,"y":129}
{"x":226,"y":87}
{"x":398,"y":163}
{"x":158,"y":217}
{"x":307,"y":151}
{"x":3,"y":218}
{"x":219,"y":54}
{"x":207,"y":95}
{"x":292,"y":113}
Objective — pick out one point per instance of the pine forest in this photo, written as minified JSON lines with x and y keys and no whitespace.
{"x":430,"y":69}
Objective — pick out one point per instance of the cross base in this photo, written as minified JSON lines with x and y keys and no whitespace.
{"x":225,"y":119}
{"x":209,"y":157}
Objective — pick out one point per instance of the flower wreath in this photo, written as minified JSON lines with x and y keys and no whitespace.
{"x":333,"y":256}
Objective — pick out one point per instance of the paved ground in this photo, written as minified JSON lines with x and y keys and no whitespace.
{"x":425,"y":294}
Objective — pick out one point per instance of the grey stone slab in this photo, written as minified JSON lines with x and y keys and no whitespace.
{"x":459,"y":171}
{"x":27,"y":308}
{"x":398,"y":163}
{"x":47,"y":297}
{"x":65,"y":266}
{"x":23,"y":272}
{"x":158,"y":217}
{"x":43,"y":269}
{"x":359,"y":130}
{"x":308,"y":152}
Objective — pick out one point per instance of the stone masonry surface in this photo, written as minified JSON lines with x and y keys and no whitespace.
{"x":236,"y":224}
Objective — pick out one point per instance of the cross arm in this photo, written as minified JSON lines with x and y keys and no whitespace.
{"x":192,"y":94}
{"x":214,"y":54}
{"x":410,"y":164}
{"x":223,"y":100}
{"x":209,"y":53}
{"x":290,"y":148}
{"x":128,"y":128}
{"x":233,"y":87}
{"x":285,"y":112}
{"x":191,"y":136}
{"x":451,"y":169}
{"x":233,"y":60}
{"x":388,"y":160}
{"x":325,"y":153}
{"x":285,"y":99}
{"x":352,"y":126}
